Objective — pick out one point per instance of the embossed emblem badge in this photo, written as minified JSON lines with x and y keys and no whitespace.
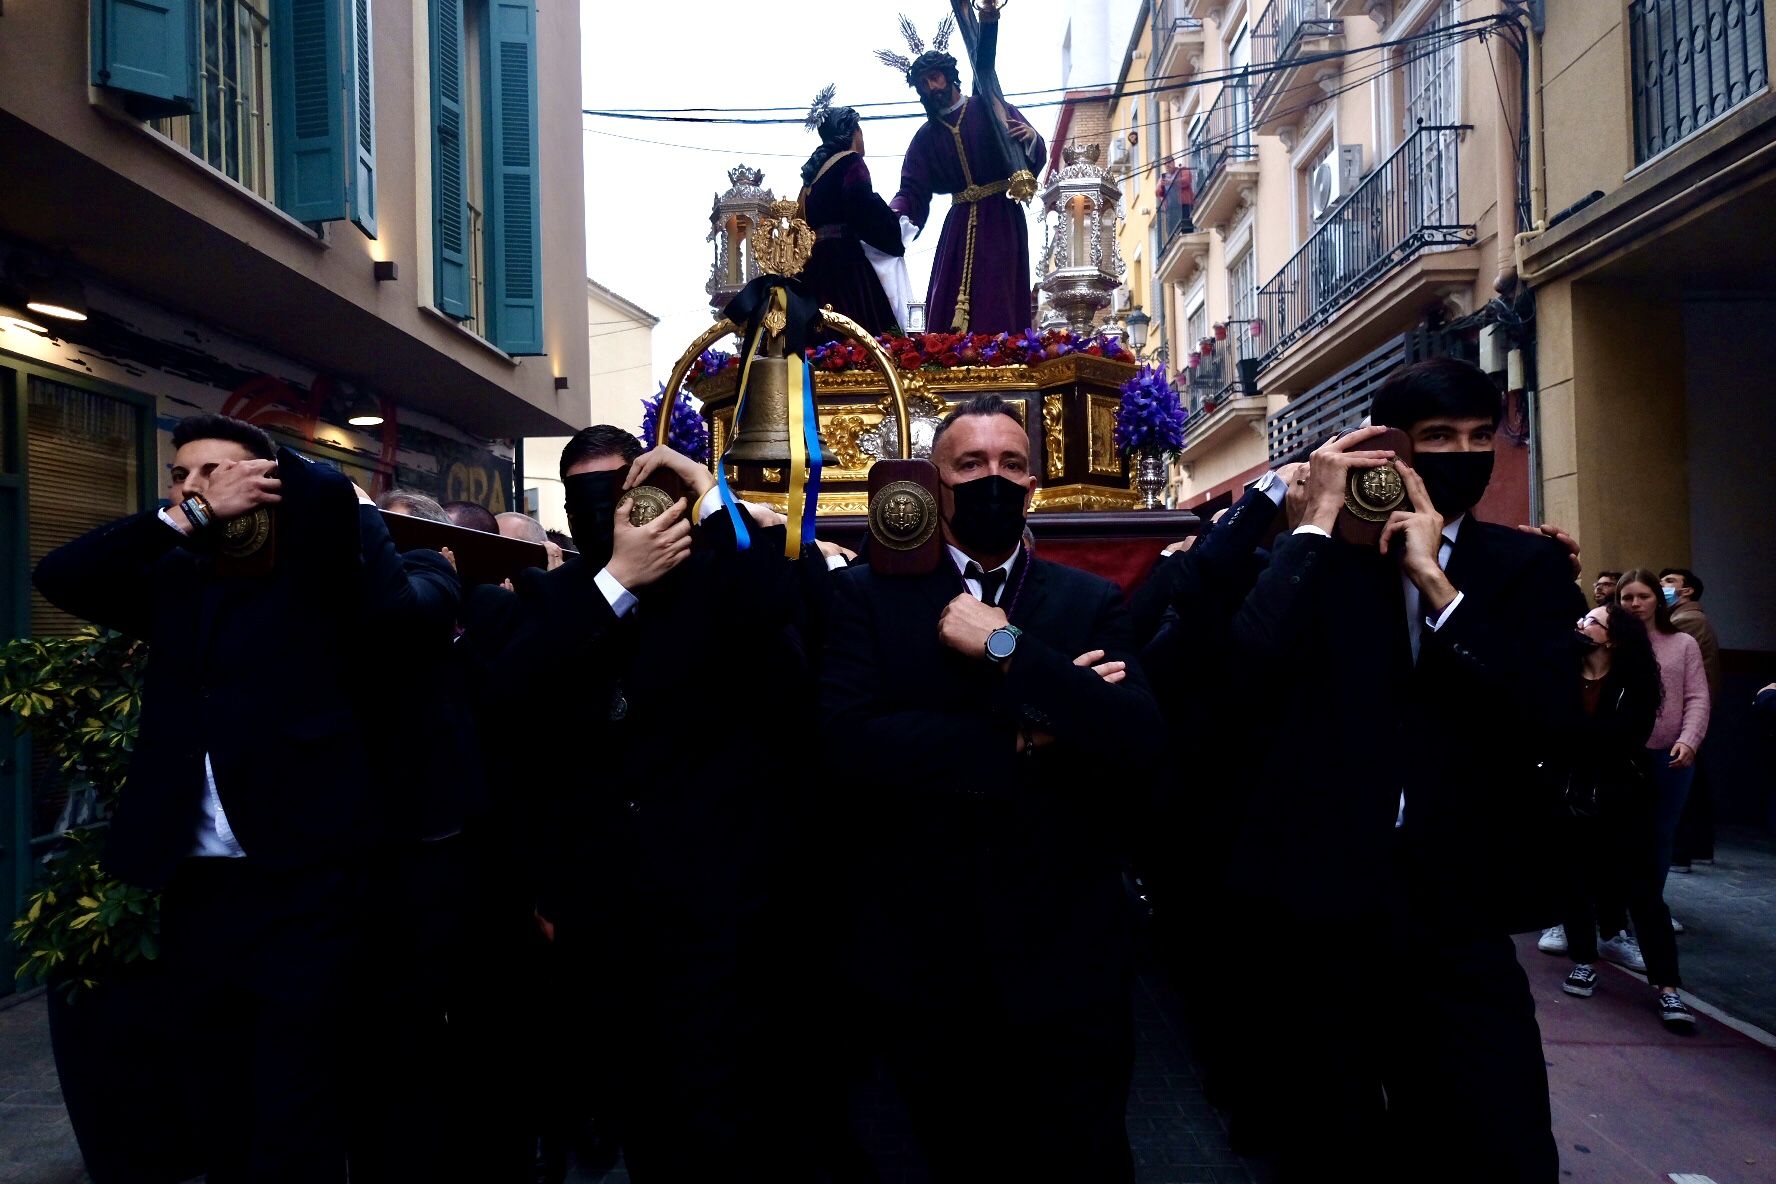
{"x":903,"y":514}
{"x":1373,"y":494}
{"x":243,"y":536}
{"x":646,"y":503}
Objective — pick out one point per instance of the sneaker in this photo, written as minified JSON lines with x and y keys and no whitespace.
{"x":1581,"y":982}
{"x":1623,"y":950}
{"x":1676,"y":925}
{"x":1675,"y":1015}
{"x":1553,"y":940}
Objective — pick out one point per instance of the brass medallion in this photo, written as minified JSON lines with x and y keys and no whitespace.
{"x":243,"y":536}
{"x":646,"y":503}
{"x":1373,"y":494}
{"x":902,"y":515}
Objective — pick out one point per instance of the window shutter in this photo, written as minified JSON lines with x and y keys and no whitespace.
{"x":308,"y":107}
{"x":514,"y":247}
{"x":147,"y":49}
{"x":361,"y":104}
{"x":450,"y":199}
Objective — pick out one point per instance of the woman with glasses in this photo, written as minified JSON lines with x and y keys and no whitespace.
{"x":1611,"y":798}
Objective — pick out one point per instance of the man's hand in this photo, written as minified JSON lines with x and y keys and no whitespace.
{"x":1294,"y":479}
{"x":640,"y":555}
{"x":1682,"y":755}
{"x":449,"y":557}
{"x":966,"y":624}
{"x":544,"y":926}
{"x":697,"y":479}
{"x":553,"y":558}
{"x":1571,"y":544}
{"x":1180,"y":545}
{"x":240,"y":486}
{"x":1023,"y":133}
{"x":833,"y":550}
{"x":1110,"y":672}
{"x":1328,"y":473}
{"x":1420,"y":533}
{"x":764,"y":515}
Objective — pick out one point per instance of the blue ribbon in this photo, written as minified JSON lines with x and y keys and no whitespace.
{"x":811,"y":430}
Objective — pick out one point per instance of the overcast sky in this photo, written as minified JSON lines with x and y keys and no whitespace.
{"x":647,"y":204}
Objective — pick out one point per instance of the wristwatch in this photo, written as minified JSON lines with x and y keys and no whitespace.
{"x":1002,"y":642}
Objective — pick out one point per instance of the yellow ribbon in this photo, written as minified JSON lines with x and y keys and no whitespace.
{"x":798,"y":455}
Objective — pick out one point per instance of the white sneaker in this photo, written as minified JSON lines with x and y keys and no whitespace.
{"x":1676,"y":925}
{"x":1553,"y":940}
{"x":1623,"y":950}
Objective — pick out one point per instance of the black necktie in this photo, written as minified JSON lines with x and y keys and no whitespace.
{"x":990,"y":581}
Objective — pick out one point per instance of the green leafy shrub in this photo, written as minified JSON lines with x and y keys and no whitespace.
{"x":79,"y":698}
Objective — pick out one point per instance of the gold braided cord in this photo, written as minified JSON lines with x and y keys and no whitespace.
{"x":982,"y":192}
{"x":959,"y":321}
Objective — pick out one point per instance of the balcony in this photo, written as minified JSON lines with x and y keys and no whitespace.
{"x":1692,"y":61}
{"x":1408,"y":205}
{"x":1182,"y":244}
{"x":1223,"y":156}
{"x":1180,"y":40}
{"x":1286,"y":40}
{"x":1216,"y":394}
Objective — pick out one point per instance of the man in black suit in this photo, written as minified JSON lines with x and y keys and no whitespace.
{"x":1411,"y":690}
{"x":249,"y":795}
{"x":991,"y":730}
{"x":667,"y":837}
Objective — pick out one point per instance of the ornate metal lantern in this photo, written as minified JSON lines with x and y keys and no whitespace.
{"x":733,"y":216}
{"x":1081,"y":264}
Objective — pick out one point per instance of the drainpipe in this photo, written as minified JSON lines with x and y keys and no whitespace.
{"x":1505,"y":148}
{"x":1538,"y":162}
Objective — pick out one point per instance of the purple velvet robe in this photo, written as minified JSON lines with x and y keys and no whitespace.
{"x":999,"y":296}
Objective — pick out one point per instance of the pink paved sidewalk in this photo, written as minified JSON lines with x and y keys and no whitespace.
{"x":1633,"y":1103}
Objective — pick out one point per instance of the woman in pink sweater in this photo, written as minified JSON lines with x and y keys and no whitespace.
{"x":1683,"y":712}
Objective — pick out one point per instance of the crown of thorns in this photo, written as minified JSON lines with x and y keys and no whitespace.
{"x":935,"y":58}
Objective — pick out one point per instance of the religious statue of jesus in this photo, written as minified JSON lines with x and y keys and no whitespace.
{"x":969,"y":147}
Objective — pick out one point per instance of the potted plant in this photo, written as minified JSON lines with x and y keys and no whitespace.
{"x":1149,"y":430}
{"x":91,"y":939}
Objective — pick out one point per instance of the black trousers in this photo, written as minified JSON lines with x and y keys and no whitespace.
{"x":996,"y":1098}
{"x":1613,"y":860}
{"x":1385,"y":1043}
{"x":260,"y":961}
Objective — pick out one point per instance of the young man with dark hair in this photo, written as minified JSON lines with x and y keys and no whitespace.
{"x":471,"y":516}
{"x":1412,"y":690}
{"x":992,"y":946}
{"x":251,"y":785}
{"x":664,"y":845}
{"x":1682,"y":589}
{"x":1603,"y":590}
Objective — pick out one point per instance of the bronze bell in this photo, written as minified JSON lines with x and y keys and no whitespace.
{"x":763,"y":438}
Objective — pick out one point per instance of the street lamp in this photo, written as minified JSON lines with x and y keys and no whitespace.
{"x":1138,"y":320}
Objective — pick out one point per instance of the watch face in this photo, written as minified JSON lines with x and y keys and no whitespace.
{"x":1001,"y":643}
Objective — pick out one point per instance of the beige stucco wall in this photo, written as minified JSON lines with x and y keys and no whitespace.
{"x":43,"y":83}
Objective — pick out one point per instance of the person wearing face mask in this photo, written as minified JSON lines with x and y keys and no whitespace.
{"x":1004,"y":730}
{"x":663,"y":843}
{"x":1609,"y":832}
{"x":1397,"y":818}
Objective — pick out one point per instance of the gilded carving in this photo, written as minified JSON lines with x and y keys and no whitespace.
{"x":841,"y":432}
{"x":1084,"y":497}
{"x":1100,"y":436}
{"x":772,"y":476}
{"x":1054,"y":445}
{"x":782,"y":241}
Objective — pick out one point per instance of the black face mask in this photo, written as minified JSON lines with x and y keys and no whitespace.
{"x":1585,"y":642}
{"x":1455,"y":480}
{"x":592,"y":512}
{"x":989,"y":514}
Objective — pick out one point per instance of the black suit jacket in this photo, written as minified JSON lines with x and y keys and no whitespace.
{"x":657,"y":747}
{"x":259,"y":672}
{"x":1322,"y":642}
{"x":981,"y":875}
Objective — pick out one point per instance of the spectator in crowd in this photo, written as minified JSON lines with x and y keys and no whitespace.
{"x":1683,"y":708}
{"x":1604,"y":589}
{"x":1611,"y":798}
{"x":471,"y":516}
{"x":526,"y":529}
{"x":1406,"y":694}
{"x":413,"y":504}
{"x":251,"y":790}
{"x":1682,"y":589}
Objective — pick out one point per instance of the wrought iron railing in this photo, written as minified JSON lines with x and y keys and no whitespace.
{"x":1692,"y":62}
{"x":1216,"y":375}
{"x":1174,"y":209}
{"x":1279,"y":31}
{"x":1174,"y":25}
{"x":1410,"y":202}
{"x":1225,"y":135}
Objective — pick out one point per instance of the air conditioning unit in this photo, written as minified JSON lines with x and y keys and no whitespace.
{"x":1119,"y":151}
{"x":1333,"y":178}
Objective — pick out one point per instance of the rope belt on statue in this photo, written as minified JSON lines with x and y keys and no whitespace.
{"x":982,"y":192}
{"x":971,"y":197}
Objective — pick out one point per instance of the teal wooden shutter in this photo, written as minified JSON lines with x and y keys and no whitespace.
{"x":360,"y":94}
{"x":148,"y":50}
{"x":450,"y":198}
{"x":308,"y":108}
{"x":515,"y":302}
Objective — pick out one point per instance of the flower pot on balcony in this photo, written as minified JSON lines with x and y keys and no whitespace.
{"x":1221,"y":331}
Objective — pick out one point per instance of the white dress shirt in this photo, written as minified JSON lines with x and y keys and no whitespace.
{"x":962,"y":561}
